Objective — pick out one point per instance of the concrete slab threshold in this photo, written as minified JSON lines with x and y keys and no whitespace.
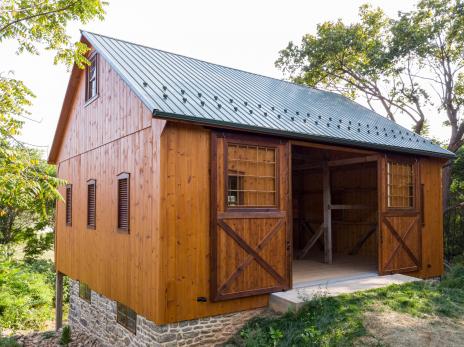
{"x":295,"y":298}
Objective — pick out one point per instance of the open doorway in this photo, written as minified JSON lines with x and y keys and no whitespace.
{"x":335,"y":214}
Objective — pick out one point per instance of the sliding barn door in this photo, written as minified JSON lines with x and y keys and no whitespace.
{"x":250,"y":244}
{"x":400,"y":215}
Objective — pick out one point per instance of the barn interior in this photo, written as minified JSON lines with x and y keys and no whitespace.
{"x":339,"y":240}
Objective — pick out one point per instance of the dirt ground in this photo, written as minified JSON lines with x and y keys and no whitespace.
{"x":394,"y":329}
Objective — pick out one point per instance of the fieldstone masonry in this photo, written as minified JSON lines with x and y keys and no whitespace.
{"x":98,"y":319}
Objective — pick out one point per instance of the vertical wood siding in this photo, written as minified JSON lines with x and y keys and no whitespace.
{"x":116,"y":113}
{"x":432,"y":226}
{"x":185,"y":228}
{"x":113,"y":134}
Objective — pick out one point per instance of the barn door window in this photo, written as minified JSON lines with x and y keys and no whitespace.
{"x":69,"y":204}
{"x":123,"y":201}
{"x":91,"y":77}
{"x":400,"y":184}
{"x":251,"y":176}
{"x":91,"y":204}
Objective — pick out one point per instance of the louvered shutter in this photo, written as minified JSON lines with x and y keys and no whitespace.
{"x":123,"y":202}
{"x":91,"y":204}
{"x":68,"y":204}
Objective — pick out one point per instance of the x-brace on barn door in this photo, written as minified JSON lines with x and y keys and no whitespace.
{"x":250,"y":242}
{"x":400,"y":215}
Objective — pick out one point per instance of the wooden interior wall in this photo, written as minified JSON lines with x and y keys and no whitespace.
{"x":307,"y":204}
{"x":113,"y":134}
{"x":354,"y":184}
{"x":185,"y":228}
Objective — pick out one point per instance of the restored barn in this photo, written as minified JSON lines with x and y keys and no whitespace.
{"x":195,"y":190}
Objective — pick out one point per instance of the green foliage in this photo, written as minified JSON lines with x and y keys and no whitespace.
{"x":337,"y":321}
{"x":28,"y":191}
{"x":407,"y":64}
{"x":8,"y":342}
{"x":457,"y":174}
{"x":65,"y":338}
{"x":37,"y":22}
{"x":28,"y":186}
{"x":26,"y":295}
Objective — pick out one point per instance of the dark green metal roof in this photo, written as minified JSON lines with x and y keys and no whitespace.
{"x":182,"y":88}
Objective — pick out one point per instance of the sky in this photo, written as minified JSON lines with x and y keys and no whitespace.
{"x":242,"y":34}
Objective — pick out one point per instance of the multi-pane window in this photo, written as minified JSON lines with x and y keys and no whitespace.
{"x":251,"y":176}
{"x":91,"y":204}
{"x":400,"y":184}
{"x":91,"y":89}
{"x":85,"y":292}
{"x":123,"y":201}
{"x":126,"y":317}
{"x":68,"y":204}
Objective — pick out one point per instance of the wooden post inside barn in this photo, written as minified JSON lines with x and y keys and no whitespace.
{"x":327,"y":214}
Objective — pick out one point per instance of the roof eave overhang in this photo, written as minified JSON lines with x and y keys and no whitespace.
{"x":297,"y":136}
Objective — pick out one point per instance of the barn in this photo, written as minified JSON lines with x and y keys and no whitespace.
{"x":195,"y":191}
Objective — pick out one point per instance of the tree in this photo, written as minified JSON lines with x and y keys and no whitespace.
{"x":404,"y":66}
{"x":28,"y":185}
{"x":29,"y":191}
{"x":33,"y":24}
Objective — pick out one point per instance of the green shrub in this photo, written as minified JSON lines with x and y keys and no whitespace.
{"x":65,"y":338}
{"x":8,"y":342}
{"x":26,"y":296}
{"x":454,"y":278}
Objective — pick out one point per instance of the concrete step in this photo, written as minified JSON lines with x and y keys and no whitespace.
{"x":293,"y":299}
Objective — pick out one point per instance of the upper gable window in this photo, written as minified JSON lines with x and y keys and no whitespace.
{"x":91,"y":76}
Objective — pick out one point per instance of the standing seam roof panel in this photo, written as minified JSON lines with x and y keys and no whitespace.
{"x":291,"y":110}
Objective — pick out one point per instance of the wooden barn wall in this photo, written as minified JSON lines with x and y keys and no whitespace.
{"x":185,"y":228}
{"x":432,"y":227}
{"x":113,"y":134}
{"x":116,"y":113}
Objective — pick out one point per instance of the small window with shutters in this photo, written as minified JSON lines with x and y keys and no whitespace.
{"x":69,"y":204}
{"x":91,"y":204}
{"x":123,"y":201}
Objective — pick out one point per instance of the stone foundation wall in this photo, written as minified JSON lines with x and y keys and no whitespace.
{"x":98,"y":319}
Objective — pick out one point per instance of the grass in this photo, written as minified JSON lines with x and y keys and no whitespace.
{"x":338,"y":321}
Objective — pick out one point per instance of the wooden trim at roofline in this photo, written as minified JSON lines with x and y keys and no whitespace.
{"x":69,"y":97}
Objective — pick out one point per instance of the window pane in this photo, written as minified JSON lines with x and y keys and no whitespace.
{"x":400,"y":185}
{"x":251,"y":176}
